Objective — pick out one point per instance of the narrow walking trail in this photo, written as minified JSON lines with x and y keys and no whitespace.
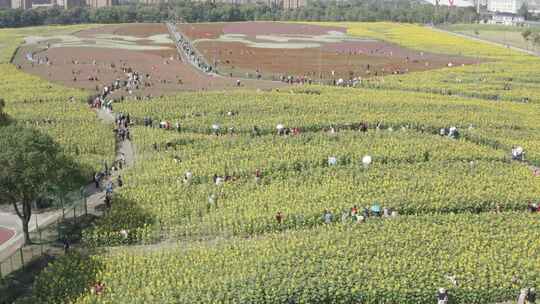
{"x":11,"y":235}
{"x":125,"y":147}
{"x":485,"y":41}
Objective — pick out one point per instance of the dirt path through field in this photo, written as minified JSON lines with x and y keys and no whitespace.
{"x":11,"y":237}
{"x":125,"y":147}
{"x":485,"y":41}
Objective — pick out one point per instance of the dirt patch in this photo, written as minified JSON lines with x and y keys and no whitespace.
{"x":201,"y":30}
{"x":94,"y":67}
{"x":318,"y":52}
{"x":214,"y":30}
{"x":141,"y":29}
{"x":277,"y":28}
{"x":345,"y":60}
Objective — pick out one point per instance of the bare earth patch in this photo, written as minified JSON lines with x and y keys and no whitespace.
{"x":101,"y":53}
{"x":318,"y":52}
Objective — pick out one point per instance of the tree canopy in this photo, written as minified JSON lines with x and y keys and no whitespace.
{"x":188,"y":11}
{"x":32,"y":164}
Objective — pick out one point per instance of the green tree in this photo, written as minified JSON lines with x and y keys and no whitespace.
{"x":32,"y":163}
{"x":536,"y":39}
{"x":526,"y":34}
{"x":524,"y":11}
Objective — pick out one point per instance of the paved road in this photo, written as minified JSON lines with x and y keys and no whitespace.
{"x":6,"y":234}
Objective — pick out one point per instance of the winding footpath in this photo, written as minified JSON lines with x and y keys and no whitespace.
{"x":485,"y":41}
{"x":11,"y":235}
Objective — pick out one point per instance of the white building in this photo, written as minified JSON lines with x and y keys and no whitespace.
{"x":457,"y":3}
{"x":504,"y":6}
{"x":506,"y":19}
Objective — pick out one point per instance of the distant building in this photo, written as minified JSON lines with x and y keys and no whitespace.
{"x":534,"y":6}
{"x":5,"y":3}
{"x":99,"y":3}
{"x":22,"y":4}
{"x":507,"y":19}
{"x":505,"y":6}
{"x":71,"y":3}
{"x":153,"y":1}
{"x":456,"y":3}
{"x":293,"y":4}
{"x":478,"y":4}
{"x":287,"y":4}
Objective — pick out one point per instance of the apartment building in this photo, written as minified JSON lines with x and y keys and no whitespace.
{"x":504,"y":6}
{"x":293,"y":4}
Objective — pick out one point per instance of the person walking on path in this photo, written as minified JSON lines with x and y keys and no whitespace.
{"x":522,"y":297}
{"x":531,"y":296}
{"x":442,"y":296}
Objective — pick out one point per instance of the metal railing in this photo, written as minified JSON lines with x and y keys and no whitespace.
{"x":46,"y":237}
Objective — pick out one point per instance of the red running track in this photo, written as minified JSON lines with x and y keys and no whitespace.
{"x":5,"y":235}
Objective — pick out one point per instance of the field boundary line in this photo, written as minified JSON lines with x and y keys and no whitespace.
{"x":485,"y":41}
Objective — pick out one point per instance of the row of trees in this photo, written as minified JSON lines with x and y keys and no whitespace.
{"x":317,"y":10}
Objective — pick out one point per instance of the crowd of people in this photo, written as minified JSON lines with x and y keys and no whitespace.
{"x":184,"y":45}
{"x":353,"y":214}
{"x":122,"y":124}
{"x":33,"y":59}
{"x":451,"y":132}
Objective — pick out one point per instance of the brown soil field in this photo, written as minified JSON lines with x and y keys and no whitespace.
{"x":140,"y":30}
{"x":201,"y":30}
{"x":347,"y":59}
{"x":74,"y":66}
{"x":214,"y":30}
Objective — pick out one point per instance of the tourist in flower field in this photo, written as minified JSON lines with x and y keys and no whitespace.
{"x":532,"y":207}
{"x":354,"y":210}
{"x":255,"y":131}
{"x":98,"y":288}
{"x":522,"y":298}
{"x":258,"y":176}
{"x":442,"y":296}
{"x":327,"y":217}
{"x":108,"y":199}
{"x":280,"y":129}
{"x":187,"y":177}
{"x":365,"y":212}
{"x":97,"y":179}
{"x":345,"y":216}
{"x":109,"y":188}
{"x":518,"y":153}
{"x":66,"y":245}
{"x":453,"y":133}
{"x":531,"y":296}
{"x":279,"y":217}
{"x":363,"y":127}
{"x":376,"y":209}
